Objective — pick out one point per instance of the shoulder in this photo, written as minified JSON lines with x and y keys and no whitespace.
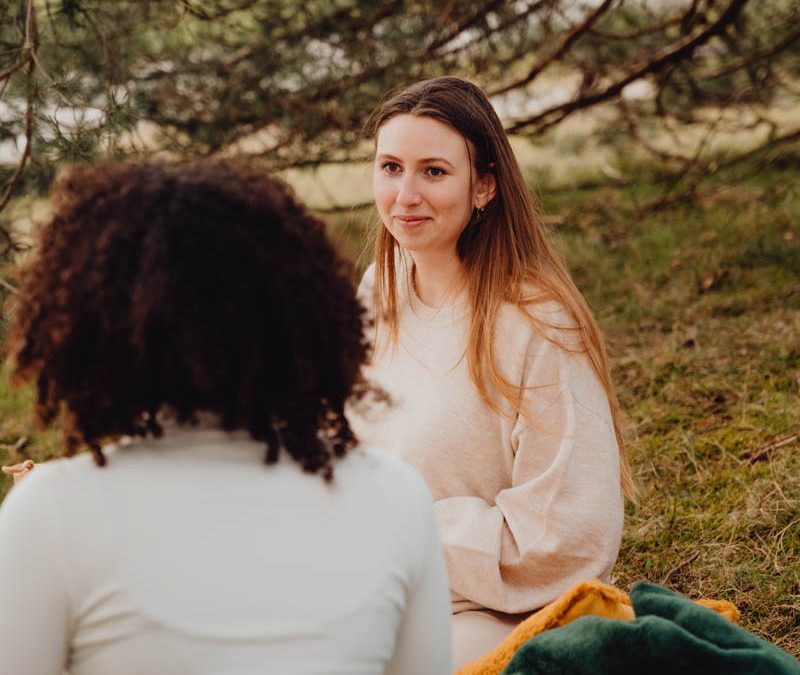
{"x":57,"y":474}
{"x":65,"y":480}
{"x":386,"y":466}
{"x":391,"y":477}
{"x":402,"y":278}
{"x":542,"y":321}
{"x":554,"y":344}
{"x":45,"y":499}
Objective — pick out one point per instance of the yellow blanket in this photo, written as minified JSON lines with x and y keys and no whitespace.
{"x":588,"y":598}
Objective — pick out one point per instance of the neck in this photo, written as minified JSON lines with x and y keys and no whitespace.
{"x":437,"y":280}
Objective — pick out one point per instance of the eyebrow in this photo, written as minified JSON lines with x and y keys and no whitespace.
{"x":424,"y":160}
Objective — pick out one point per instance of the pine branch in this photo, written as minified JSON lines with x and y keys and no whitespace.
{"x":30,"y":44}
{"x":573,"y":36}
{"x":673,"y":55}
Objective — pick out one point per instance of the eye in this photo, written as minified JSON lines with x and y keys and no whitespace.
{"x":435,"y":171}
{"x":391,"y":168}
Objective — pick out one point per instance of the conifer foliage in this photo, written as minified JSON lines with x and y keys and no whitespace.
{"x":291,"y":82}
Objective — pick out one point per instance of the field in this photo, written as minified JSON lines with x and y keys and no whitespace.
{"x":700,"y":303}
{"x":701,"y":308}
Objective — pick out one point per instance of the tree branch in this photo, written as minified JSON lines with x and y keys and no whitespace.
{"x":756,"y":56}
{"x":31,"y":44}
{"x":678,"y":53}
{"x":559,"y":52}
{"x":648,"y":30}
{"x":8,"y":72}
{"x":205,"y":15}
{"x":466,"y":24}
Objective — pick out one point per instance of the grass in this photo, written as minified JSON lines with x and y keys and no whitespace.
{"x":701,"y":308}
{"x":17,"y":429}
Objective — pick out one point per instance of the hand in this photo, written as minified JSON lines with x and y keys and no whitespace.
{"x":19,"y":471}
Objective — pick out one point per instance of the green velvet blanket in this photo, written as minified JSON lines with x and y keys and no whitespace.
{"x":670,"y":634}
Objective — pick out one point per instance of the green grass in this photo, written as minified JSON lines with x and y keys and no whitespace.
{"x":709,"y":380}
{"x":16,"y":425}
{"x":701,"y":308}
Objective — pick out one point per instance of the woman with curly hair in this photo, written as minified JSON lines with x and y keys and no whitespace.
{"x":199,"y":335}
{"x":499,"y":383}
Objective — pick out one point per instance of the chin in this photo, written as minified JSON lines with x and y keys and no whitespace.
{"x":411,"y":246}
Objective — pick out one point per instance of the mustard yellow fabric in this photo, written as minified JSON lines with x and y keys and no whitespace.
{"x":588,"y":598}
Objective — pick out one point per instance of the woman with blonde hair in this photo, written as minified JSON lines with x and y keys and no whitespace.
{"x":498,"y":383}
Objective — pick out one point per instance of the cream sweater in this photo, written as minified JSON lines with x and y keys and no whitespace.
{"x":525,"y":509}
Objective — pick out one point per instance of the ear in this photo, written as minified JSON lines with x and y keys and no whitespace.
{"x":485,"y":190}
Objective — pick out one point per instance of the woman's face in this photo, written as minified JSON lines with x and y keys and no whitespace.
{"x":424,"y":187}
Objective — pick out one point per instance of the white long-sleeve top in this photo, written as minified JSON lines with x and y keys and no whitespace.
{"x":188,"y":556}
{"x":527,"y":505}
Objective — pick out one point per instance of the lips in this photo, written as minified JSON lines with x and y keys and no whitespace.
{"x":411,"y":221}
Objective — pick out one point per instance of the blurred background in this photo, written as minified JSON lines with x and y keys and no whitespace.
{"x":661,"y":139}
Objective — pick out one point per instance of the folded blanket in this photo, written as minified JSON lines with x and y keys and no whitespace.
{"x":588,"y":598}
{"x":670,"y":634}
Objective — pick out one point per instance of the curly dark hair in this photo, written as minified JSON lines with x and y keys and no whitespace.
{"x":190,"y":288}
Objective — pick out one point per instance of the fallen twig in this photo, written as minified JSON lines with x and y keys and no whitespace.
{"x":22,"y":441}
{"x":680,"y":566}
{"x":763,"y":452}
{"x":8,"y":286}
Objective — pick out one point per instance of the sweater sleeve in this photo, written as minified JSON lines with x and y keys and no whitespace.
{"x":34,"y":612}
{"x":560,"y":521}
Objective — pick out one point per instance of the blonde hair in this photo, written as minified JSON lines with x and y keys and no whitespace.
{"x":503,"y":249}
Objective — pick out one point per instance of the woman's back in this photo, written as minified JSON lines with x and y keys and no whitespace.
{"x":187,"y":555}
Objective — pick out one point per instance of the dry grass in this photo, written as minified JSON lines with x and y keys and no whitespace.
{"x":701,"y":306}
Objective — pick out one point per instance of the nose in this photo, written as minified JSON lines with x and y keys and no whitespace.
{"x":408,"y":193}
